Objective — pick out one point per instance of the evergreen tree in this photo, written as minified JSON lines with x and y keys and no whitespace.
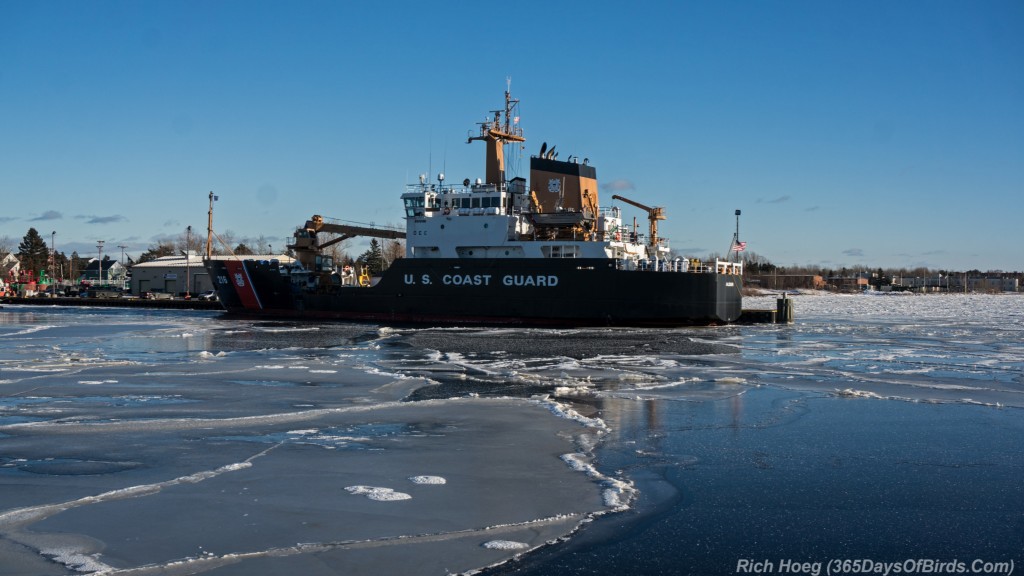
{"x":373,"y":258}
{"x":881,"y":279}
{"x":76,"y":265}
{"x":61,"y":266}
{"x":33,"y":253}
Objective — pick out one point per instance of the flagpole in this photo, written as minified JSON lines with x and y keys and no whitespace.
{"x":736,"y":237}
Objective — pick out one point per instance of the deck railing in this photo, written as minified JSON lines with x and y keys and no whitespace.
{"x":683,"y":265}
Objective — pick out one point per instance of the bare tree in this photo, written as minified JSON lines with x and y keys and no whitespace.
{"x":336,"y":251}
{"x":394,"y":250}
{"x":221,"y":247}
{"x":190,"y":242}
{"x":261,"y":244}
{"x":162,"y":248}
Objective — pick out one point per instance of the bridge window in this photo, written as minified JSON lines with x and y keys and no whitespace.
{"x":411,"y":205}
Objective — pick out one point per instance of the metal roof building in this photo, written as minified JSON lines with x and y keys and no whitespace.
{"x":172,"y":274}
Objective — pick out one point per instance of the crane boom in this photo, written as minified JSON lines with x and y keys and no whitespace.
{"x":307,"y":246}
{"x":653,"y":215}
{"x":317,"y":224}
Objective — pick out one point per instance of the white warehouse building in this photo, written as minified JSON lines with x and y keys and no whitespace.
{"x":172,"y":274}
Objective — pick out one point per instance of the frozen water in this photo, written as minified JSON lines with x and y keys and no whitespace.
{"x":183,"y":443}
{"x":947,"y":349}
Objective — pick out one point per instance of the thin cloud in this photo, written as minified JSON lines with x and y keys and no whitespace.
{"x":48,"y":215}
{"x":618,"y":186}
{"x":692,"y":250}
{"x":7,"y":219}
{"x":856,"y":252}
{"x":778,"y":200}
{"x":812,"y":209}
{"x":101,"y":219}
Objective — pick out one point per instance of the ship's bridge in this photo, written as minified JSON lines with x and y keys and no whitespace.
{"x":423,"y":200}
{"x":419,"y":202}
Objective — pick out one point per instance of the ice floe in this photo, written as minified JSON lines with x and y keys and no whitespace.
{"x":504,"y":545}
{"x":427,"y":480}
{"x":377,"y":493}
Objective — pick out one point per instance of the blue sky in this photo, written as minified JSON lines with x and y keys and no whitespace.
{"x":849,"y":133}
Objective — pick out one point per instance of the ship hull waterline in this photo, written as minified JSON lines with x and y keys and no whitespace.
{"x":526,"y":292}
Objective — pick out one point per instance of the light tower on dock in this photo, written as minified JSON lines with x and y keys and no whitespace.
{"x":736,"y":246}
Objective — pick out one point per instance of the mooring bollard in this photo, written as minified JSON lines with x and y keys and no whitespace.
{"x":784,"y":311}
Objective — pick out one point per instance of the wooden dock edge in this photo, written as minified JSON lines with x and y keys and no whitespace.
{"x":782,"y":314}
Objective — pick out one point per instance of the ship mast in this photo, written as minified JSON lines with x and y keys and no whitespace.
{"x":503,"y":128}
{"x":209,"y":228}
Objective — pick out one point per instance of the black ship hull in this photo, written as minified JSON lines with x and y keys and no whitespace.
{"x":528,"y":292}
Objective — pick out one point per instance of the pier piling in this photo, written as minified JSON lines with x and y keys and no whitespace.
{"x":784,"y":310}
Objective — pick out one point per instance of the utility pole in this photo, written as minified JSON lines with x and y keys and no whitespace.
{"x":122,"y":247}
{"x":99,"y":262}
{"x":188,"y":263}
{"x":53,"y":263}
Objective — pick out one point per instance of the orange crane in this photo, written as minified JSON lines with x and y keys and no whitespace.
{"x":307,"y":246}
{"x":653,"y":214}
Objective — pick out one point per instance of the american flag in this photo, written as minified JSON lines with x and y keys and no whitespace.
{"x":739,"y":247}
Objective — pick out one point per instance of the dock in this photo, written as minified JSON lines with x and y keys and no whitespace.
{"x":176,"y":304}
{"x":782,"y":314}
